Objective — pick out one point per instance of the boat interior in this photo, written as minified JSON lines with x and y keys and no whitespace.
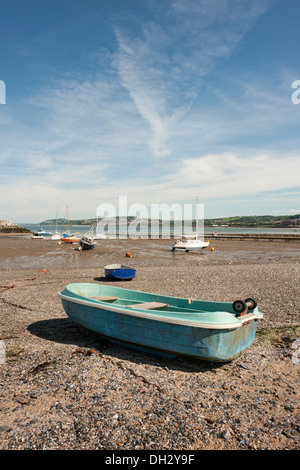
{"x":159,"y":304}
{"x":173,"y":307}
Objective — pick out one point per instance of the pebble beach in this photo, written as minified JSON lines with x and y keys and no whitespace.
{"x":64,"y":388}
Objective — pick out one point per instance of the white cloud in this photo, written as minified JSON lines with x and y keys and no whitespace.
{"x":220,"y":179}
{"x":227,"y":175}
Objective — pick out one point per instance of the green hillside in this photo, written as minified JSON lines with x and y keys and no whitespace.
{"x":237,"y":221}
{"x":257,"y":221}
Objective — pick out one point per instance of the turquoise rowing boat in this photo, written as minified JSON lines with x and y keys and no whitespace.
{"x":173,"y":326}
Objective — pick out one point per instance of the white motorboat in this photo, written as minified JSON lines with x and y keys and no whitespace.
{"x":43,"y":233}
{"x":56,"y":235}
{"x":190,"y":245}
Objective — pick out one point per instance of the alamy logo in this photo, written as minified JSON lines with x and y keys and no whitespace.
{"x":2,"y":92}
{"x":158,"y":220}
{"x":296,"y":95}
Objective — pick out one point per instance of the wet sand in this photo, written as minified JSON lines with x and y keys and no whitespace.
{"x":21,"y":252}
{"x":64,"y":388}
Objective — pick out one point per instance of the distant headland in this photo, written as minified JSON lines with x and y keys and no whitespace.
{"x":6,"y":226}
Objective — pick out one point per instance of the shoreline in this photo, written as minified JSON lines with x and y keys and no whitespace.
{"x":65,"y":388}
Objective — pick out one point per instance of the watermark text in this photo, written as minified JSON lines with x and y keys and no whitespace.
{"x":2,"y":92}
{"x":156,"y":221}
{"x":296,"y":95}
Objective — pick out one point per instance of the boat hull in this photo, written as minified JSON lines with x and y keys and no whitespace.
{"x":86,"y":245}
{"x":190,"y":245}
{"x":159,"y":334}
{"x":43,"y":233}
{"x":70,"y":240}
{"x":119,"y":272}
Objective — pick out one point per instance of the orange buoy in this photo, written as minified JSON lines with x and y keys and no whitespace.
{"x":128,"y":254}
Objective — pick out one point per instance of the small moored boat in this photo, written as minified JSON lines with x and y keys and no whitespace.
{"x":40,"y":234}
{"x":213,"y":331}
{"x":119,"y":272}
{"x":193,"y":243}
{"x":69,"y":238}
{"x":44,"y":233}
{"x":56,"y":236}
{"x":87,"y":243}
{"x":190,"y":245}
{"x":35,"y":236}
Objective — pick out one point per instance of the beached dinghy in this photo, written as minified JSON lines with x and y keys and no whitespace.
{"x":119,"y":272}
{"x":44,"y":233}
{"x":212,"y":331}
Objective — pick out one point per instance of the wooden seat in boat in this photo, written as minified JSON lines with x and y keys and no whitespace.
{"x":105,"y":298}
{"x":148,"y":305}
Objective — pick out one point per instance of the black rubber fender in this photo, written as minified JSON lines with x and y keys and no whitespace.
{"x":239,"y":306}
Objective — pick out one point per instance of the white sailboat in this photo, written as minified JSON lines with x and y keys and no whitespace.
{"x":56,"y":235}
{"x":191,"y":244}
{"x":69,"y":237}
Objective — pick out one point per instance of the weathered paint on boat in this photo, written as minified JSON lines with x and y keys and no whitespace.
{"x":205,"y":330}
{"x":119,"y":272}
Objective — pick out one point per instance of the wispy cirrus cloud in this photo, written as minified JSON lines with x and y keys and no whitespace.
{"x":163,"y":81}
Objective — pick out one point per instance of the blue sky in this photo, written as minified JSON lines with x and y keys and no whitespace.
{"x":149,"y":99}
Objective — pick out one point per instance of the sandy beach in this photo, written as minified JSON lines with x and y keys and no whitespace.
{"x":62,"y":387}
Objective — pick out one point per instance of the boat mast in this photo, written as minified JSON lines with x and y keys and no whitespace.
{"x":197,"y":216}
{"x":56,"y":220}
{"x":68,"y":219}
